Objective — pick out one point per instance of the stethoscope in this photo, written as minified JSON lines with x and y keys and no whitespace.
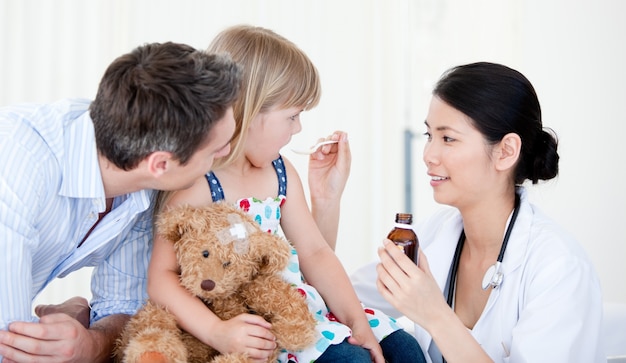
{"x":493,"y":276}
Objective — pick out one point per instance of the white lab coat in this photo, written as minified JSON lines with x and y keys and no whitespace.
{"x":548,"y":307}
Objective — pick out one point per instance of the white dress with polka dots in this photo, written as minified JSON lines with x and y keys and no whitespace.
{"x":330,"y":331}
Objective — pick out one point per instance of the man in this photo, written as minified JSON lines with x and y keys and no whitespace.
{"x":77,"y":181}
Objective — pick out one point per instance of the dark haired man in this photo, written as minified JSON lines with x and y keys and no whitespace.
{"x":78,"y":179}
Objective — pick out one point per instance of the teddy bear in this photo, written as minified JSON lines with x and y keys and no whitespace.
{"x":234,"y":267}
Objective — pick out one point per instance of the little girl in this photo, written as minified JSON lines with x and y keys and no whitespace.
{"x":279,"y":82}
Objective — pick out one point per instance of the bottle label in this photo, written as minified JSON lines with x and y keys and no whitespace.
{"x":403,"y":226}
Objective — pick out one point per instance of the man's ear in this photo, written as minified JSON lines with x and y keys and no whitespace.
{"x":159,"y":162}
{"x":507,"y":151}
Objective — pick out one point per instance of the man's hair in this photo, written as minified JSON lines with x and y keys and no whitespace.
{"x":161,"y":97}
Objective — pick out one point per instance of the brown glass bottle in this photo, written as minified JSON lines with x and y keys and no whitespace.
{"x":404,"y":237}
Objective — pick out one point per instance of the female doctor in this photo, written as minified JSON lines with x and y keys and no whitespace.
{"x":516,"y":287}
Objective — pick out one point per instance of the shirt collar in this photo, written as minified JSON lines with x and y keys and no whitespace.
{"x":81,"y":169}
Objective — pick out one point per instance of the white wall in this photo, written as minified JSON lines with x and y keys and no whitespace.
{"x":378,"y":61}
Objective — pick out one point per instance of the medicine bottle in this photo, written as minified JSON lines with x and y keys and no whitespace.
{"x":403,"y":236}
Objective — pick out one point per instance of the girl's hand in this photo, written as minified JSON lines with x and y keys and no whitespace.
{"x":329,"y":168}
{"x":366,"y":339}
{"x":410,"y":289}
{"x":245,"y":333}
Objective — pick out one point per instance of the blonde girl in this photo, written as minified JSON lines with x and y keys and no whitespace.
{"x":279,"y":82}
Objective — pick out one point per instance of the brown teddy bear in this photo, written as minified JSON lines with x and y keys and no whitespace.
{"x":234,"y":267}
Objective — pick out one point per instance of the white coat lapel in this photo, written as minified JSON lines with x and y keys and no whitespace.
{"x":513,"y":255}
{"x":438,"y":245}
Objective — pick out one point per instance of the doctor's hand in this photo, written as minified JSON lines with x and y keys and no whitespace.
{"x":410,"y":289}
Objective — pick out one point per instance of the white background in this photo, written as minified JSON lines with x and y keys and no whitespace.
{"x":378,"y":61}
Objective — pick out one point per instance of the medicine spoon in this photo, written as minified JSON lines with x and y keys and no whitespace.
{"x":313,"y":148}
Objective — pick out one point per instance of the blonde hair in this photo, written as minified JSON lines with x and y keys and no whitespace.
{"x":275,"y":73}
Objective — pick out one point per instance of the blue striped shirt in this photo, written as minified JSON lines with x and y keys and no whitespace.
{"x":51,"y":192}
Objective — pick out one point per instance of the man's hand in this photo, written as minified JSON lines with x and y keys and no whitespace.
{"x":62,"y":335}
{"x":76,"y":307}
{"x":56,"y":338}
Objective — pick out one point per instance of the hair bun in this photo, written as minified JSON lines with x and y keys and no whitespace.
{"x":546,"y":158}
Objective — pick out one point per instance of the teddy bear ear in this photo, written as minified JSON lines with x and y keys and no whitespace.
{"x":271,"y":251}
{"x":175,"y":222}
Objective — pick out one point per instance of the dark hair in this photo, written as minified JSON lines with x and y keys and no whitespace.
{"x":161,"y":97}
{"x":500,"y":100}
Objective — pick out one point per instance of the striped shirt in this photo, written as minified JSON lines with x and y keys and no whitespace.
{"x":51,"y":192}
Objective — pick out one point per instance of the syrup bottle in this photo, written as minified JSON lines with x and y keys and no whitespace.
{"x":404,"y":237}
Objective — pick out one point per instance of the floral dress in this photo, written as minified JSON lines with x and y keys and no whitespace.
{"x":330,"y":331}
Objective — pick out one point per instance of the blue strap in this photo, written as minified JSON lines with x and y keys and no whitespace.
{"x":279,"y":166}
{"x":217,"y":193}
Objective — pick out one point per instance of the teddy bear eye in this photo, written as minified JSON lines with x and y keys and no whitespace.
{"x":205,"y":253}
{"x":226,"y":264}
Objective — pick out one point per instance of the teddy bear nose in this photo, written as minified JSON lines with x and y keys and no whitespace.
{"x":207,"y":285}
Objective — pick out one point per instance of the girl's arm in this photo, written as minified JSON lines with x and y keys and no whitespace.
{"x":329,"y":168}
{"x":321,"y":267}
{"x":244,"y":333}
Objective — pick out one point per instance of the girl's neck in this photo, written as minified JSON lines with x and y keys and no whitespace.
{"x":239,"y":167}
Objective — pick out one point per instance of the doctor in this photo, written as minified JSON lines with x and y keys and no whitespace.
{"x":516,"y":287}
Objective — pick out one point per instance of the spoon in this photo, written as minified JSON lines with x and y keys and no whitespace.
{"x":313,"y":148}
